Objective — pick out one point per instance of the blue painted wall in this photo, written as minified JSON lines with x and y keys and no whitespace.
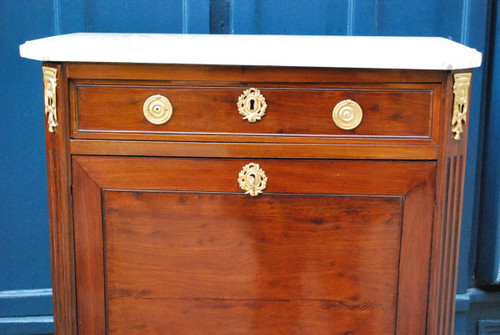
{"x":25,"y":306}
{"x":24,"y":245}
{"x":489,"y":232}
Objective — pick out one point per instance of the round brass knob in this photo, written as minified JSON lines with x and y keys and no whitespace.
{"x":347,"y":114}
{"x":252,"y":105}
{"x":157,"y":109}
{"x":252,"y":179}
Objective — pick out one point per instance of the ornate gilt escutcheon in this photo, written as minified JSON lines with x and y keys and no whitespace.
{"x":50,"y":86}
{"x":157,"y":109}
{"x":252,"y":179}
{"x":347,"y":114}
{"x":252,"y":105}
{"x":460,"y":103}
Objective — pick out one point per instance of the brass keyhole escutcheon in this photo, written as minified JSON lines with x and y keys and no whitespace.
{"x":347,"y":114}
{"x":252,"y":105}
{"x":157,"y":109}
{"x":252,"y":179}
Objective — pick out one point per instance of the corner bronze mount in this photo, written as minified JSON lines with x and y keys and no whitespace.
{"x":460,"y":103}
{"x":50,"y":86}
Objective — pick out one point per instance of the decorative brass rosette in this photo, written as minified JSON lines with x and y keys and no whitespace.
{"x":157,"y":109}
{"x":347,"y":114}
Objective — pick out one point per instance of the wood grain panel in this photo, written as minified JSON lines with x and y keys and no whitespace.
{"x":88,"y":253}
{"x":416,"y":245}
{"x":231,"y":238}
{"x":241,"y":252}
{"x":263,"y":74}
{"x":339,"y":150}
{"x":252,"y":317}
{"x":290,"y":111}
{"x":285,"y":175}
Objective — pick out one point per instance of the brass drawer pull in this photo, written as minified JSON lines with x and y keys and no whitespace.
{"x":252,"y":105}
{"x":347,"y":114}
{"x":252,"y":179}
{"x":157,"y":109}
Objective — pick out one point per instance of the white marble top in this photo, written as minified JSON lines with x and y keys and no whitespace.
{"x":425,"y":53}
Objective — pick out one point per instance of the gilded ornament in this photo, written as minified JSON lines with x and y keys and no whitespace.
{"x":460,"y":103}
{"x":252,"y":105}
{"x":157,"y":109}
{"x":252,"y":179}
{"x":50,"y":98}
{"x":347,"y":114}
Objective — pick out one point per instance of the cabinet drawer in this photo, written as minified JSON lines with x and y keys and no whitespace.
{"x":116,"y":111}
{"x":329,"y":247}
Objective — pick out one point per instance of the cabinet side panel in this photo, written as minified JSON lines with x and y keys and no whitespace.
{"x":448,"y":218}
{"x":60,"y":213}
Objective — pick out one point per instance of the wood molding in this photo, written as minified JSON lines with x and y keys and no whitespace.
{"x":60,"y":214}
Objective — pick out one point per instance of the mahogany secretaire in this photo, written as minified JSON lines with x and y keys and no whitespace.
{"x":244,"y":185}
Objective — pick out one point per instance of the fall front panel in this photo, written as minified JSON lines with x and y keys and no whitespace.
{"x":169,"y":245}
{"x":308,"y":264}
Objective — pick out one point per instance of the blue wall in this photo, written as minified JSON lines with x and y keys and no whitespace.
{"x":25,"y":306}
{"x":24,"y":244}
{"x":488,"y":266}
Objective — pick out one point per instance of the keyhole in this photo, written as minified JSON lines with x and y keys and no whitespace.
{"x":252,"y":104}
{"x":252,"y":179}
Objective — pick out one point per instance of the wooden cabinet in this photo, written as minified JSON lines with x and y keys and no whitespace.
{"x":294,"y":223}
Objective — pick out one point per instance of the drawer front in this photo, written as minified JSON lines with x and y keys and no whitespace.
{"x":174,"y":246}
{"x":116,"y":111}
